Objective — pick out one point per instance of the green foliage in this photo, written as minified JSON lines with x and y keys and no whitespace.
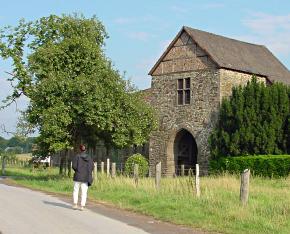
{"x":142,"y":165}
{"x":262,"y":165}
{"x":17,"y":144}
{"x":75,"y":92}
{"x":15,"y":150}
{"x":254,"y":120}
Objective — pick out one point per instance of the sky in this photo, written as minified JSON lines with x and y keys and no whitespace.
{"x":139,"y":31}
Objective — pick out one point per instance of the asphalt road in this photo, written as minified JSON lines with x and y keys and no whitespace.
{"x":24,"y":211}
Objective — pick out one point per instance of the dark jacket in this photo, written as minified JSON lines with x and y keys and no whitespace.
{"x":83,"y":166}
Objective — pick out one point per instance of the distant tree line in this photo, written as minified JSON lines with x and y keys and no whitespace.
{"x":254,"y":120}
{"x":17,"y":144}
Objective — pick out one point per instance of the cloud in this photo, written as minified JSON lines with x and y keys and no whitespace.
{"x":213,"y":5}
{"x":265,"y":23}
{"x":146,"y":64}
{"x":179,"y":9}
{"x":134,"y":20}
{"x":141,"y":36}
{"x":124,"y":20}
{"x":270,"y":30}
{"x":182,"y":9}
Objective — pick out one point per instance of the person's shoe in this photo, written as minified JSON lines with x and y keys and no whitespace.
{"x":75,"y":206}
{"x":82,"y":208}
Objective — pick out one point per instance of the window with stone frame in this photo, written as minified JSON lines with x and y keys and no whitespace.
{"x":183,"y":91}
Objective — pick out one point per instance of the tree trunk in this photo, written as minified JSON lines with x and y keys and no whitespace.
{"x":76,"y":143}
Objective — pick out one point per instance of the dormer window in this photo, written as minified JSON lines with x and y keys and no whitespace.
{"x":183,"y":91}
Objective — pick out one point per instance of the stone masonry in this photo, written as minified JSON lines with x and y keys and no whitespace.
{"x":208,"y":85}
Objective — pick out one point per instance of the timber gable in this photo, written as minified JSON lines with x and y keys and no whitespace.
{"x":183,"y":55}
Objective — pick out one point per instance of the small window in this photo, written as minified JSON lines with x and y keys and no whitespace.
{"x":183,"y":91}
{"x":180,"y":97}
{"x":180,"y":84}
{"x":187,"y":97}
{"x":187,"y":83}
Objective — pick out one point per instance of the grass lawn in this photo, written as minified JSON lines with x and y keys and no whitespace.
{"x":218,"y":208}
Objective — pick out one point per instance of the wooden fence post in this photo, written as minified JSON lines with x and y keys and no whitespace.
{"x":102,"y":167}
{"x":136,"y":173}
{"x":197,"y":184}
{"x":182,"y":170}
{"x":95,"y":170}
{"x":244,"y":190}
{"x":158,"y":175}
{"x":113,"y":170}
{"x":108,"y":167}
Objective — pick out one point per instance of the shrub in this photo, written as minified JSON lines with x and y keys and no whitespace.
{"x":262,"y":165}
{"x":254,"y":120}
{"x":137,"y":159}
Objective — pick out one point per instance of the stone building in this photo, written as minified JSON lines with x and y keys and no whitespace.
{"x":188,"y":83}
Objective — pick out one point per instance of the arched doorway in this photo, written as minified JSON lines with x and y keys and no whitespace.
{"x":185,"y":151}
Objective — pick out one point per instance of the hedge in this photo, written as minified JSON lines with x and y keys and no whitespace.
{"x":262,"y":165}
{"x":142,"y":165}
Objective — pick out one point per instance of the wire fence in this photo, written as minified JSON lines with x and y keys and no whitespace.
{"x":112,"y":170}
{"x":106,"y":167}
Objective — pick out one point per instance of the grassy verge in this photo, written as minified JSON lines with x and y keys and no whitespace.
{"x":218,"y":209}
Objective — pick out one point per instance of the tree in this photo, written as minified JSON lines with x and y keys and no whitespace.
{"x":75,"y":92}
{"x":16,"y":142}
{"x":254,"y":120}
{"x":3,"y":143}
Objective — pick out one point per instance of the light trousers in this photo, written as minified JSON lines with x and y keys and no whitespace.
{"x":84,"y":188}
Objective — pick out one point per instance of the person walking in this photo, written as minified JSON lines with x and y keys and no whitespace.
{"x":83,"y":167}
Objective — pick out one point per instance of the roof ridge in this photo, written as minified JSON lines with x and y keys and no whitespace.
{"x":269,"y":51}
{"x":229,"y":38}
{"x":234,"y":54}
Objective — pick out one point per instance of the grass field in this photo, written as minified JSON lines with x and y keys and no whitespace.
{"x":218,"y":209}
{"x":24,"y":156}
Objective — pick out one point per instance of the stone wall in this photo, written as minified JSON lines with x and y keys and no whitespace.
{"x":197,"y":117}
{"x":209,"y":84}
{"x":229,"y":79}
